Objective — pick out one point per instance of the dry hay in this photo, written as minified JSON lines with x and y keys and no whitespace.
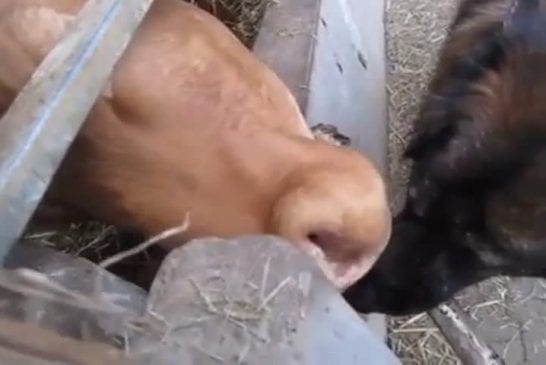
{"x":97,"y":242}
{"x":417,"y":341}
{"x":79,"y":239}
{"x":243,"y":17}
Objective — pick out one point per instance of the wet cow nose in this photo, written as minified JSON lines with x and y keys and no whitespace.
{"x":343,"y":260}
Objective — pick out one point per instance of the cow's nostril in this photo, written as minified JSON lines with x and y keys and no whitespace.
{"x":332,"y":245}
{"x":313,"y":237}
{"x":336,"y":247}
{"x":319,"y":239}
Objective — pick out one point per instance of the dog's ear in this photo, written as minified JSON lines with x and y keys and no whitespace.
{"x":442,"y":112}
{"x":526,"y":22}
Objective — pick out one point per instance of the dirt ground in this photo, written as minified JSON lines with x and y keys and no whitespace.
{"x":508,"y":313}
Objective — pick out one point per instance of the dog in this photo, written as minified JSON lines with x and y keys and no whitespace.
{"x":477,"y":189}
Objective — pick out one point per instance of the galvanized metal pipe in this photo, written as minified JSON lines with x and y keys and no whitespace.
{"x":47,"y":114}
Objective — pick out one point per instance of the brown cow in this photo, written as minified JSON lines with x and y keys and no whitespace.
{"x":477,"y":193}
{"x":192,"y":122}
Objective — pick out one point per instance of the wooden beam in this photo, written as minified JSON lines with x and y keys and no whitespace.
{"x":466,"y":344}
{"x":286,"y":43}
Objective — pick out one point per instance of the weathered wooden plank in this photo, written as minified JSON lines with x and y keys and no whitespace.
{"x":253,"y":300}
{"x":466,"y":344}
{"x":286,"y":43}
{"x":47,"y":114}
{"x":347,"y":86}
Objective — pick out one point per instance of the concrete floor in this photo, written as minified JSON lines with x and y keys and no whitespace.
{"x":509,"y":314}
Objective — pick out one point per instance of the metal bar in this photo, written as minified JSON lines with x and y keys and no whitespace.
{"x":47,"y":114}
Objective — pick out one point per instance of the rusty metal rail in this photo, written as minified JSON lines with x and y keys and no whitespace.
{"x":47,"y":114}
